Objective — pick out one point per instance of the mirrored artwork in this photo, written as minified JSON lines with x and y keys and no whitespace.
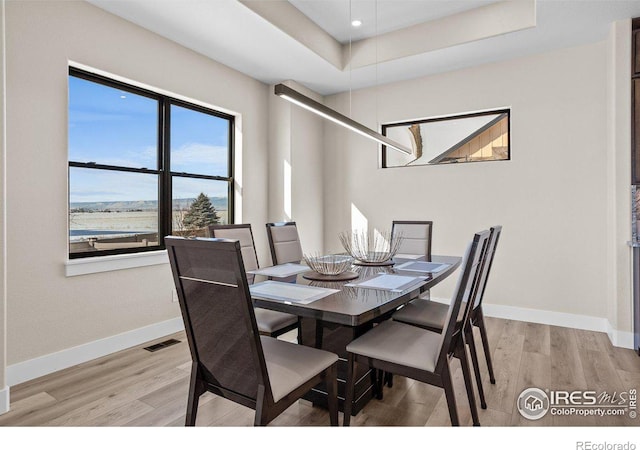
{"x":455,"y":139}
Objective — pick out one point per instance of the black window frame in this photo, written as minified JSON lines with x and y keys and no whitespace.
{"x":163,"y":168}
{"x":384,"y":127}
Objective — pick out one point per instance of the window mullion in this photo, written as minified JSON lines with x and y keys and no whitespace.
{"x":165,"y":161}
{"x":230,"y":195}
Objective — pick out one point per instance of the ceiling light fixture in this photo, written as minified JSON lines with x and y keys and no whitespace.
{"x":356,"y":23}
{"x":309,"y":104}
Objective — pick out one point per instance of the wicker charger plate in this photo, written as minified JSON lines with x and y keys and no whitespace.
{"x":316,"y":276}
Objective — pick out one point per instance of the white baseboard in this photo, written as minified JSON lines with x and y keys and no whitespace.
{"x":4,"y":400}
{"x":618,"y":338}
{"x":546,"y":317}
{"x":43,"y":365}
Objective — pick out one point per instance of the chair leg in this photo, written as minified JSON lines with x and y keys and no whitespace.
{"x":373,"y":376}
{"x":479,"y":322}
{"x":468,"y":382}
{"x":300,"y":330}
{"x":447,"y":384}
{"x":331,"y":379}
{"x":388,"y":379}
{"x":260,"y":419}
{"x":196,"y":389}
{"x":349,"y":388}
{"x":476,"y":366}
{"x":379,"y":383}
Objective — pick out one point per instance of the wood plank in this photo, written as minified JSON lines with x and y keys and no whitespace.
{"x":88,"y":411}
{"x":624,"y":359}
{"x":566,"y":372}
{"x":138,"y":388}
{"x":146,"y":363}
{"x":74,"y":375}
{"x":592,"y":340}
{"x":537,"y":339}
{"x":378,"y":413}
{"x":534,"y":372}
{"x":303,"y":413}
{"x":507,"y":357}
{"x":494,"y":328}
{"x":412,"y":392}
{"x":440,"y":415}
{"x":25,"y":407}
{"x":629,"y":380}
{"x":169,"y":413}
{"x":566,"y":367}
{"x":601,"y":376}
{"x":493,"y":418}
{"x":121,"y":415}
{"x":176,"y":390}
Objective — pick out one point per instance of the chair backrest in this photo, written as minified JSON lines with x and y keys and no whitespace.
{"x":464,"y":294}
{"x":284,"y":242}
{"x":486,"y":263}
{"x":218,"y":316}
{"x":241,"y":232}
{"x":416,"y":236}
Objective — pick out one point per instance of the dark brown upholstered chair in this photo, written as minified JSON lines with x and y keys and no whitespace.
{"x":432,"y":315}
{"x":284,"y":242}
{"x":421,"y":354}
{"x":229,"y":357}
{"x":416,"y":236}
{"x":270,"y":323}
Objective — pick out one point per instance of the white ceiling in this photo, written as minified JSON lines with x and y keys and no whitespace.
{"x":231,"y":33}
{"x":378,"y":17}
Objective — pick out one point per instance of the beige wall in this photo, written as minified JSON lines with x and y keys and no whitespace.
{"x":3,"y":349}
{"x":550,"y":198}
{"x":48,"y":312}
{"x":295,"y":167}
{"x":619,"y":289}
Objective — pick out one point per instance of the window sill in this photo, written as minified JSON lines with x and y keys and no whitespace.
{"x":85,"y":266}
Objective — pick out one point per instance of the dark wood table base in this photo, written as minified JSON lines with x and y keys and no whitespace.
{"x":335,"y":338}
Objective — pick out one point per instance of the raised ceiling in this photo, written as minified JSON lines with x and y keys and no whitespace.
{"x":378,"y":17}
{"x":311,"y":42}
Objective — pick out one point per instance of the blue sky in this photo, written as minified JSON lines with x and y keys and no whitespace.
{"x":111,"y":126}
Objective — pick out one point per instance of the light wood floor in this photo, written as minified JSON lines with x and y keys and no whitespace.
{"x":138,"y":388}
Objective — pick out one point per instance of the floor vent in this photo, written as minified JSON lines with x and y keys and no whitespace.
{"x":161,"y":345}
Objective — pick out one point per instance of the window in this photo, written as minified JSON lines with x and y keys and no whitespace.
{"x":143,"y":166}
{"x":445,"y":140}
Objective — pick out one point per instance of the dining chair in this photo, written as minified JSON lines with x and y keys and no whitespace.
{"x":420,"y":354}
{"x":416,"y":240}
{"x":416,"y":236}
{"x":284,"y":242}
{"x":270,"y":323}
{"x":431,"y":315}
{"x":229,"y":357}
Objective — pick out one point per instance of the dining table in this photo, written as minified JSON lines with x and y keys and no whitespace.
{"x":348,"y":309}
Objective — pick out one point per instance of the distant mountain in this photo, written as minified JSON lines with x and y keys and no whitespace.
{"x":219,"y":203}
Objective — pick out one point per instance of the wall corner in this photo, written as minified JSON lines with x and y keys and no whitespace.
{"x":4,"y":400}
